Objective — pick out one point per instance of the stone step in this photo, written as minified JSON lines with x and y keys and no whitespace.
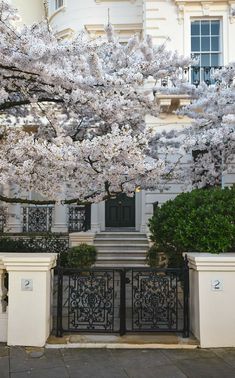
{"x":121,"y":248}
{"x":121,"y":264}
{"x":124,"y":240}
{"x":117,"y":252}
{"x":120,"y":235}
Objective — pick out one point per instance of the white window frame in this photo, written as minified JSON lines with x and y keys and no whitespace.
{"x":58,"y":4}
{"x":204,"y":74}
{"x":201,"y":52}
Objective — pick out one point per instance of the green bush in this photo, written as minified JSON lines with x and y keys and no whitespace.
{"x":199,"y":221}
{"x":152,"y":257}
{"x":81,"y":256}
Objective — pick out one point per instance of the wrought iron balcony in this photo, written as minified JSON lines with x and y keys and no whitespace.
{"x":204,"y":74}
{"x":79,"y":218}
{"x":195,"y":75}
{"x":37,"y":218}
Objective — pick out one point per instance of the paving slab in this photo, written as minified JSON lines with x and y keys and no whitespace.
{"x":140,"y":358}
{"x":180,"y":354}
{"x":19,"y":362}
{"x":58,"y":372}
{"x":4,"y":361}
{"x":21,"y":359}
{"x":164,"y":371}
{"x":226,"y":354}
{"x":206,"y":368}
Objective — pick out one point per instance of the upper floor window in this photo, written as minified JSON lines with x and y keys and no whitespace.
{"x":206,"y":47}
{"x":59,"y":4}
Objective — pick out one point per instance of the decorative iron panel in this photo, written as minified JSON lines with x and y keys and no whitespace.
{"x":37,"y":219}
{"x":2,"y":218}
{"x":79,"y":218}
{"x":122,"y":300}
{"x":155,"y":301}
{"x":47,"y":242}
{"x":87,"y":300}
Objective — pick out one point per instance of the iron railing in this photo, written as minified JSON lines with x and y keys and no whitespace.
{"x":37,"y":218}
{"x":2,"y":218}
{"x":194,"y":75}
{"x":46,"y":242}
{"x":122,"y":300}
{"x":204,"y":74}
{"x":79,"y":218}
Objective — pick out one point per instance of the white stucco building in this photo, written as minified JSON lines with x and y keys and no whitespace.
{"x":205,"y":29}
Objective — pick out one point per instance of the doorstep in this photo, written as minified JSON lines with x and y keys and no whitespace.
{"x":143,"y":341}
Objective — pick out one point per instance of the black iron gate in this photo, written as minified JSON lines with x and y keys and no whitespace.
{"x":122,"y":300}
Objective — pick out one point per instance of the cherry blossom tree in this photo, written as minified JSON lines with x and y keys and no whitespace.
{"x":72,"y":112}
{"x":212,"y":135}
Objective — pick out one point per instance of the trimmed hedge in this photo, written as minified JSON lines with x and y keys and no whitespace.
{"x":199,"y":221}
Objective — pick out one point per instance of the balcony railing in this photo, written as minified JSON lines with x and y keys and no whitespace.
{"x":201,"y":74}
{"x":79,"y":218}
{"x":37,"y":218}
{"x":195,"y":75}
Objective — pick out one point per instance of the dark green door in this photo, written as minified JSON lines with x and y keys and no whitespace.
{"x":120,"y":212}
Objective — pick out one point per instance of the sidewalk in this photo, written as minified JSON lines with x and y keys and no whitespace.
{"x":19,"y":362}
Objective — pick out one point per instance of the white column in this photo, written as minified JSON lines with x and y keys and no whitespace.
{"x":212,"y":305}
{"x":29,"y":295}
{"x":143,"y":211}
{"x":3,"y":305}
{"x":60,"y":219}
{"x":14,"y":218}
{"x":95,"y":225}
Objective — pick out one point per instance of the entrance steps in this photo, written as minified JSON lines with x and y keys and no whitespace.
{"x":122,"y":249}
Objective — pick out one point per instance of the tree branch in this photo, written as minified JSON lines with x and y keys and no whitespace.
{"x":13,"y":104}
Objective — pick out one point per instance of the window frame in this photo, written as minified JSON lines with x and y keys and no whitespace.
{"x":58,"y":4}
{"x":201,"y":52}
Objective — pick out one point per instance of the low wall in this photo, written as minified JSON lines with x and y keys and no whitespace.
{"x":212,"y":299}
{"x":27,"y":319}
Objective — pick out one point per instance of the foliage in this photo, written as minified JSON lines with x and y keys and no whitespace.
{"x":212,"y":135}
{"x":79,"y":109}
{"x":152,"y":257}
{"x":199,"y":221}
{"x":50,"y":242}
{"x":81,"y":256}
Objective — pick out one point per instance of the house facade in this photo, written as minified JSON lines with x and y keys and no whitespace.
{"x":203,"y":29}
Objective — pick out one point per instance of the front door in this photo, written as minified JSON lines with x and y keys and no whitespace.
{"x":120,"y":211}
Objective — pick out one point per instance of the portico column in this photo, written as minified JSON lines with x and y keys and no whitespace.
{"x":60,"y":218}
{"x":143,"y":211}
{"x":14,"y":219}
{"x":95,"y":225}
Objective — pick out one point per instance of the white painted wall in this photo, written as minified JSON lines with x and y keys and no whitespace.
{"x":78,"y":13}
{"x":30,"y":10}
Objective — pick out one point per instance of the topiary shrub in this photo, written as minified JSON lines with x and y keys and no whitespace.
{"x":81,"y":256}
{"x":199,"y":221}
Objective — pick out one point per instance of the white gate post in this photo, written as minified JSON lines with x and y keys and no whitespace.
{"x":212,"y":304}
{"x":29,"y":293}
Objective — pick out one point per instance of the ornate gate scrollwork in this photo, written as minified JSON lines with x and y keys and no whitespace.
{"x":91,"y":296}
{"x":123,"y":300}
{"x":155,"y":301}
